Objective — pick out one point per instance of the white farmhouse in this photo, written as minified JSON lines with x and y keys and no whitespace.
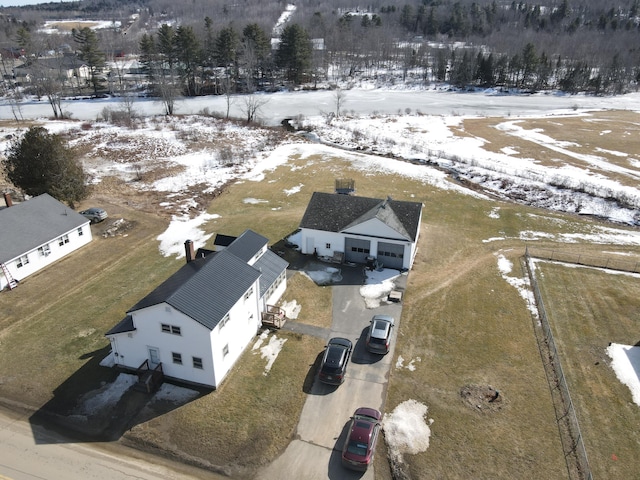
{"x":36,"y":233}
{"x":196,"y":324}
{"x":361,"y":230}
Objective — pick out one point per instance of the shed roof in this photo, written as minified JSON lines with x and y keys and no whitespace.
{"x":333,"y":212}
{"x":28,"y":225}
{"x":271,"y":266}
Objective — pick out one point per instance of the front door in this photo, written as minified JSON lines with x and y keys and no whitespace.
{"x":154,"y":357}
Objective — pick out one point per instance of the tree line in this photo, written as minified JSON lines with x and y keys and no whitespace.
{"x":577,"y":47}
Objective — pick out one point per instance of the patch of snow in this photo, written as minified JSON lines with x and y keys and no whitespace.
{"x":625,"y":361}
{"x":405,"y":429}
{"x":254,"y":201}
{"x":509,"y":151}
{"x":612,"y":152}
{"x":326,"y":276}
{"x":291,"y":309}
{"x":493,"y":239}
{"x":182,"y":229}
{"x":495,"y":212}
{"x":378,"y":285}
{"x":263,"y":336}
{"x":283,"y":19}
{"x":173,"y":393}
{"x":410,"y":366}
{"x":107,"y":396}
{"x":519,"y":283}
{"x":291,"y":191}
{"x":271,"y":350}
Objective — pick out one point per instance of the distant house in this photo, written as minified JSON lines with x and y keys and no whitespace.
{"x":65,"y":67}
{"x":359,"y":229}
{"x":199,"y":321}
{"x":36,"y":233}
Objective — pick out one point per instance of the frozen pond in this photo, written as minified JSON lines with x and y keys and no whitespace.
{"x":360,"y":101}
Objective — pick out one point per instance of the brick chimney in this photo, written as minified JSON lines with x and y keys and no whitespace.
{"x":189,"y":251}
{"x":7,"y":199}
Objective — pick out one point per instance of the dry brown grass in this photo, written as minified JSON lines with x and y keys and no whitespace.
{"x":462,"y":324}
{"x":250,"y":419}
{"x":314,"y":300}
{"x":597,"y":134}
{"x":588,"y":309}
{"x":54,"y":323}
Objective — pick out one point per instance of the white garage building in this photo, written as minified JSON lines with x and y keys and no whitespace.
{"x":360,"y":229}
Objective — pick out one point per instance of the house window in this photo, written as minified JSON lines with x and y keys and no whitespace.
{"x":177,"y":358}
{"x":44,"y":250}
{"x":225,"y":350}
{"x":63,"y":239}
{"x":23,"y":260}
{"x":247,"y":295}
{"x":224,"y":321}
{"x":359,"y":249}
{"x":327,"y":245}
{"x":197,"y":362}
{"x":80,"y":231}
{"x":166,"y":328}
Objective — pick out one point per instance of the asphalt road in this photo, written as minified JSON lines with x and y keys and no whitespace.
{"x":29,"y":452}
{"x":316,"y":452}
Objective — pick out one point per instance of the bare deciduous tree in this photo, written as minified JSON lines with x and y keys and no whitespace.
{"x":251,"y":105}
{"x":340,"y":98}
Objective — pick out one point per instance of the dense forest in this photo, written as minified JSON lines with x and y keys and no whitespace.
{"x":212,"y":46}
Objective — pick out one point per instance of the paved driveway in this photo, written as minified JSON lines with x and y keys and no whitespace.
{"x":316,"y":451}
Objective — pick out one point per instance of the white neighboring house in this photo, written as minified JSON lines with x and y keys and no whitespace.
{"x":36,"y":233}
{"x":199,"y":321}
{"x":360,"y":229}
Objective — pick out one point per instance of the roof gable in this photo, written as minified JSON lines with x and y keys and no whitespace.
{"x":247,"y":245}
{"x":28,"y":225}
{"x":336,"y":213}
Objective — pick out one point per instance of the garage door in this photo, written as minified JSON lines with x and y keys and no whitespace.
{"x":357,"y":250}
{"x":391,"y":255}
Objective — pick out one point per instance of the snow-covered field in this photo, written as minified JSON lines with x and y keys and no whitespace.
{"x":194,"y":164}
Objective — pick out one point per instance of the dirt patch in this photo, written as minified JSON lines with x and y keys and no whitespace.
{"x":482,"y":398}
{"x":116,"y":227}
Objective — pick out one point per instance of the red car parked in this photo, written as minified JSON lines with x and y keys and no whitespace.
{"x":360,"y":445}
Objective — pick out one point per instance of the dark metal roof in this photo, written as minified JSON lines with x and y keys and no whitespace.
{"x":335,"y":213}
{"x":205,"y":289}
{"x":271,"y":266}
{"x":28,"y":225}
{"x":247,"y":245}
{"x":125,"y":325}
{"x":223,"y":240}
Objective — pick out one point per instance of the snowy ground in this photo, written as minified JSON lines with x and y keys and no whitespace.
{"x":205,"y":167}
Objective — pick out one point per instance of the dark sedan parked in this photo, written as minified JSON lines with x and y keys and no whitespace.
{"x":335,"y":360}
{"x":360,"y":445}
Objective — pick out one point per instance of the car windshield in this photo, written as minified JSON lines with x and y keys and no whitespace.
{"x":357,"y":448}
{"x":381,"y":341}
